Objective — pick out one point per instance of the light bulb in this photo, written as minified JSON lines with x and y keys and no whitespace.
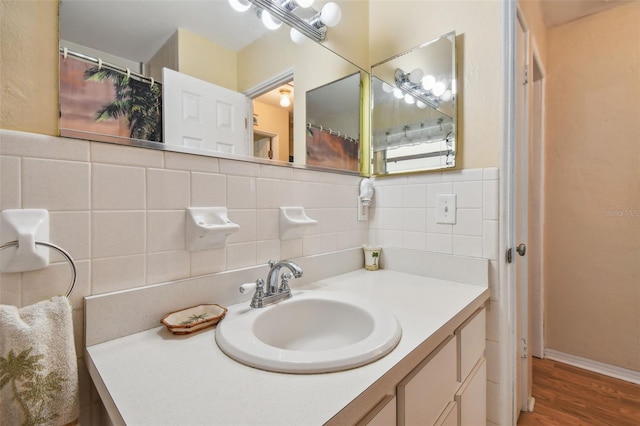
{"x":421,"y":105}
{"x":409,"y":99}
{"x":386,"y":87}
{"x":304,"y":3}
{"x":398,"y":93}
{"x":428,"y":81}
{"x":269,"y":21}
{"x":296,"y":36}
{"x":240,"y":5}
{"x":447,"y":96}
{"x":439,"y":88}
{"x":285,"y":98}
{"x":330,"y":14}
{"x":416,"y":75}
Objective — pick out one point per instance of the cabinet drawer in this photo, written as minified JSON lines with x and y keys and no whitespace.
{"x":383,"y":414}
{"x":471,"y":337}
{"x":428,"y":389}
{"x":472,"y":397}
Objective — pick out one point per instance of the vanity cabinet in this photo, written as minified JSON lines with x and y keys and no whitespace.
{"x":446,"y":388}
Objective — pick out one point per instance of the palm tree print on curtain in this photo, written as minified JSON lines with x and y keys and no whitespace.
{"x":101,"y":104}
{"x":138,"y":102}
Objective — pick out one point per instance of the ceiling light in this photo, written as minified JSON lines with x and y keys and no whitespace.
{"x":285,"y":98}
{"x":416,"y":75}
{"x":240,"y":5}
{"x":314,"y":28}
{"x":428,"y":82}
{"x":330,"y":14}
{"x":439,"y":88}
{"x":304,"y":3}
{"x":387,"y":88}
{"x":269,"y":21}
{"x":296,"y":36}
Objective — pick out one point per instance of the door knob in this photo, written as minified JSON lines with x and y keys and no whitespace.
{"x":521,"y":249}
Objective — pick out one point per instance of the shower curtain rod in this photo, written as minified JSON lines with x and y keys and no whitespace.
{"x":332,"y":132}
{"x":126,"y":71}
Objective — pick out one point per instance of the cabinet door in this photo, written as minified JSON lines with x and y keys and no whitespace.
{"x":449,"y":416}
{"x":428,"y":389}
{"x":471,"y":338}
{"x":383,"y":414}
{"x":472,"y":397}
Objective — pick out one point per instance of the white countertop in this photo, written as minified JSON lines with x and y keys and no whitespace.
{"x":156,"y":378}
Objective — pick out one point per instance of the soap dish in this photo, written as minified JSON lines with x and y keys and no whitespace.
{"x":193,"y":319}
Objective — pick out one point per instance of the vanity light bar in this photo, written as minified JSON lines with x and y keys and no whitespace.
{"x":403,"y":83}
{"x":285,"y":15}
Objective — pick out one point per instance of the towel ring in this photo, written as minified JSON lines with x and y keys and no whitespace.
{"x":72,"y":263}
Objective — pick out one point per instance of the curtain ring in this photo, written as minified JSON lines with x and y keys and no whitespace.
{"x":65,"y":52}
{"x":128,"y":73}
{"x":152,"y":82}
{"x":99,"y":64}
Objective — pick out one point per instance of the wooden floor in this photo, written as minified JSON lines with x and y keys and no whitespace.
{"x":567,"y":396}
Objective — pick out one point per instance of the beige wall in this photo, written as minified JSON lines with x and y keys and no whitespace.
{"x":396,"y":26}
{"x":592,"y":250}
{"x":29,"y":66}
{"x":200,"y":58}
{"x":274,"y":121}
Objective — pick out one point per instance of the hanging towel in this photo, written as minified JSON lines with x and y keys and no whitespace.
{"x":38,"y":367}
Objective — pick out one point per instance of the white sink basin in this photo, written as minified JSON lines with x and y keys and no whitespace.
{"x":313,"y":332}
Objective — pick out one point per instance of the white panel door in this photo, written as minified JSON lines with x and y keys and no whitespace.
{"x":198,"y":114}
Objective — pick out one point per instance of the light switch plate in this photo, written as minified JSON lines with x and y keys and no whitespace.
{"x":446,"y":208}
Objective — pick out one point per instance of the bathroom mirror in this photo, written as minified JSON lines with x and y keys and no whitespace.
{"x":210,"y":42}
{"x":414,"y":109}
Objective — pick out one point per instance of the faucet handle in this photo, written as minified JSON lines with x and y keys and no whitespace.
{"x":284,"y":285}
{"x":271,"y":263}
{"x":258,"y":286}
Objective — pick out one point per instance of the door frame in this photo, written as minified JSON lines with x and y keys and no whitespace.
{"x":538,"y":78}
{"x":507,"y":318}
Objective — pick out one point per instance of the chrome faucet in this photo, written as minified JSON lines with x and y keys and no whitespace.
{"x":273,"y":293}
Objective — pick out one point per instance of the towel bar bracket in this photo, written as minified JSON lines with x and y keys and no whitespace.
{"x":63,"y":252}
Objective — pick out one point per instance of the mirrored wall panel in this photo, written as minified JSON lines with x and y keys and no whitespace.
{"x":414,"y":109}
{"x":198,"y":77}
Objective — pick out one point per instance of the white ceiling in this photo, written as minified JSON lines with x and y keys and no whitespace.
{"x":558,"y":12}
{"x":136,"y":29}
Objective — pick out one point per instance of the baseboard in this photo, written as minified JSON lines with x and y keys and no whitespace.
{"x":595,"y":366}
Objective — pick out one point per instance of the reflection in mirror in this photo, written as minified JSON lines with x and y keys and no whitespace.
{"x":414,"y":109}
{"x":333,"y":134}
{"x":168,"y":46}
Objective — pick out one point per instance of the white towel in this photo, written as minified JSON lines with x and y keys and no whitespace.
{"x":38,"y":366}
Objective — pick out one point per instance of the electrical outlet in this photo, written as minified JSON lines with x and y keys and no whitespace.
{"x":363,"y":212}
{"x":446,"y":208}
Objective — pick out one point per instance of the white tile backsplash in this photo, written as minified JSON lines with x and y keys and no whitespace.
{"x":10,"y":182}
{"x":118,"y":233}
{"x":208,"y":190}
{"x":475,"y":232}
{"x":241,"y":192}
{"x":168,"y":189}
{"x":117,"y":187}
{"x":55,"y":184}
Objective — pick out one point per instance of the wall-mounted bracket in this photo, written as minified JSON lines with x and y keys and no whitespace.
{"x":208,"y":228}
{"x":25,"y":226}
{"x":294,"y":222}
